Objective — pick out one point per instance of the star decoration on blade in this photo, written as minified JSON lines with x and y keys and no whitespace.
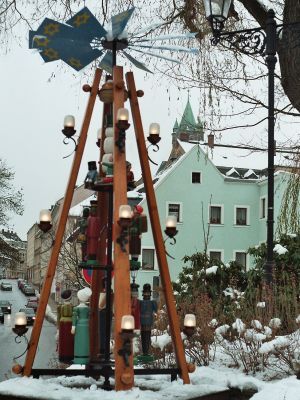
{"x":82,"y":39}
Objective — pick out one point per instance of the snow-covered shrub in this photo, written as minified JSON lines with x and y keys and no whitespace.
{"x":282,"y":354}
{"x":242,"y":344}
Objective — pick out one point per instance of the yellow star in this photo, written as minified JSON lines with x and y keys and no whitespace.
{"x":51,"y":54}
{"x":51,"y":29}
{"x":75,"y":62}
{"x":41,"y":42}
{"x":81,"y":19}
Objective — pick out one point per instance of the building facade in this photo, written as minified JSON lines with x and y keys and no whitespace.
{"x":13,"y":256}
{"x":219,"y":197}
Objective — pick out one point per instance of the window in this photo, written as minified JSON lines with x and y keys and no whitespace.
{"x":215,"y":215}
{"x":215,"y":255}
{"x":241,"y":217}
{"x":175,"y":209}
{"x":148,"y":259}
{"x":241,"y":258}
{"x":196,"y":177}
{"x":262,"y":207}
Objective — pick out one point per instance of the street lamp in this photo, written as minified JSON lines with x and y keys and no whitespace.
{"x":251,"y":42}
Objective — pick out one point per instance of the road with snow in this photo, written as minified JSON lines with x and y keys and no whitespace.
{"x":46,"y":355}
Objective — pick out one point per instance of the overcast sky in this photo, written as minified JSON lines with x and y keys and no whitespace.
{"x":33,"y":107}
{"x":36,"y":96}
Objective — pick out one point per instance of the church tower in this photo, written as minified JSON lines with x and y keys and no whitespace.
{"x":188,"y":130}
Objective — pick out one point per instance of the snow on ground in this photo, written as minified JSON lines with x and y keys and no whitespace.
{"x":205,"y":380}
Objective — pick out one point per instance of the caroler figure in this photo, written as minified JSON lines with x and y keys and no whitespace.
{"x":64,"y":322}
{"x":92,"y":234}
{"x":80,"y":327}
{"x":148,"y":309}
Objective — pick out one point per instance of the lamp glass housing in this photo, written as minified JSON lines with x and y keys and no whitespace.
{"x":189,"y":321}
{"x":217,"y":9}
{"x":45,"y":216}
{"x":154,"y":129}
{"x":99,"y":133}
{"x":69,"y":121}
{"x":122,"y":114}
{"x":125,"y":211}
{"x":20,"y":319}
{"x":127,"y":323}
{"x":171,"y":221}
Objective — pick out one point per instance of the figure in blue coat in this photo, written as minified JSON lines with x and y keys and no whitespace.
{"x":148,"y":309}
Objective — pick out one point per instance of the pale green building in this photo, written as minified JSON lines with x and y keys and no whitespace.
{"x":219,"y":196}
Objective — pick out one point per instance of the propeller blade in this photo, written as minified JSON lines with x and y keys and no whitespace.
{"x":137,"y":63}
{"x":87,"y":24}
{"x":53,"y":29}
{"x":156,"y":55}
{"x":106,"y":62}
{"x":120,"y":21}
{"x":166,"y":37}
{"x":192,"y":50}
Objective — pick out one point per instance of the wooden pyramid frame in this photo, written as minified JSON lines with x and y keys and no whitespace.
{"x":124,"y":375}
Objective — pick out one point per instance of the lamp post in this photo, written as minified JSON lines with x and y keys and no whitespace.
{"x":252,"y":42}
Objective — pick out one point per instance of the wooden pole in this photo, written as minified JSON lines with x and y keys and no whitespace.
{"x":97,"y":275}
{"x":124,"y":378}
{"x":156,"y":230}
{"x":36,"y":330}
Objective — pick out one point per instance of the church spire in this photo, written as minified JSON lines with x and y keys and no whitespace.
{"x":187,"y":122}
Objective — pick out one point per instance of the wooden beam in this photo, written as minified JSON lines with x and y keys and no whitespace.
{"x":97,"y":275}
{"x":123,"y":375}
{"x":36,"y":330}
{"x":156,"y":230}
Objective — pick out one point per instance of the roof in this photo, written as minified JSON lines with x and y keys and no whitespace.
{"x":175,"y":125}
{"x":188,"y":122}
{"x":233,"y":163}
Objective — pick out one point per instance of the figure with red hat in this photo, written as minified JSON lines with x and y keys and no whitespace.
{"x":137,"y":227}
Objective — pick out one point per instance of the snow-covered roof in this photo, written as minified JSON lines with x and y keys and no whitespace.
{"x":240,"y":158}
{"x":77,"y":209}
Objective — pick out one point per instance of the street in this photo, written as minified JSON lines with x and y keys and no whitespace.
{"x":46,"y":352}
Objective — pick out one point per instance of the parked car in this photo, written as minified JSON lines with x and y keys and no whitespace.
{"x":30,"y":315}
{"x":1,"y":317}
{"x":5,"y":306}
{"x":6,"y":286}
{"x":32,"y":303}
{"x":28,"y":290}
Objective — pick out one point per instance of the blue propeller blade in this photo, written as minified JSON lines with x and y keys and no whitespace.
{"x":120,"y":21}
{"x":137,"y":63}
{"x":87,"y":24}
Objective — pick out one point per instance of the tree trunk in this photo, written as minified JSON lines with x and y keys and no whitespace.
{"x":289,"y":46}
{"x":289,"y":53}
